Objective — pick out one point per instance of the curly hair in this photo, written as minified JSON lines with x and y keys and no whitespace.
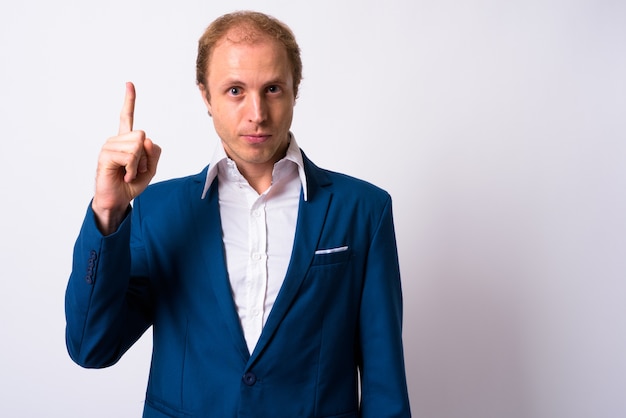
{"x":252,"y":26}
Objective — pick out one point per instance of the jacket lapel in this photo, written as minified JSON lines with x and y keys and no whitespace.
{"x":209,"y":237}
{"x":309,"y":226}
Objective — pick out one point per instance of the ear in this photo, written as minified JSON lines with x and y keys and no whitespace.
{"x":204,"y":92}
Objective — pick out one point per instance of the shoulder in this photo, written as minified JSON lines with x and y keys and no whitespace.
{"x":343,"y":185}
{"x":165,"y":193}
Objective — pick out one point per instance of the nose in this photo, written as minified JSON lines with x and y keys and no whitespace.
{"x":257,"y":108}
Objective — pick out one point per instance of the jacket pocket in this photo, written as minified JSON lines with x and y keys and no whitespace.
{"x":157,"y":409}
{"x":353,"y":414}
{"x":332,"y":256}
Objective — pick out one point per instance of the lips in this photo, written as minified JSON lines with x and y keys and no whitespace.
{"x":256,"y":138}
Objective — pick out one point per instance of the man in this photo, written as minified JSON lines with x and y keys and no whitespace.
{"x":272,"y":285}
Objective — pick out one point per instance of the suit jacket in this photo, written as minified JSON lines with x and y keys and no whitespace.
{"x":331,"y":347}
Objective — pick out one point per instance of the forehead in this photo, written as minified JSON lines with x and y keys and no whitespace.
{"x":242,"y":51}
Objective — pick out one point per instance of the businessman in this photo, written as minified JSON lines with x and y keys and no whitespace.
{"x":272,"y":285}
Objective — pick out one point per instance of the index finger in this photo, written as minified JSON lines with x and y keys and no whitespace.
{"x":128,"y":110}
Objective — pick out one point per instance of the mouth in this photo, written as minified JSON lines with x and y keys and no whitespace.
{"x":256,"y":138}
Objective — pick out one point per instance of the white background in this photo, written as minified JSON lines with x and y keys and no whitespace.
{"x":497,"y":126}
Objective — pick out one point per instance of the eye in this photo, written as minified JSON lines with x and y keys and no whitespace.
{"x":234,"y":91}
{"x":273,"y":89}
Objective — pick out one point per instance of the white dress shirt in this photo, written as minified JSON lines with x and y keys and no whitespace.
{"x":258,"y":233}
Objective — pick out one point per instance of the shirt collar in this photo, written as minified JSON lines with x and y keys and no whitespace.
{"x":293,"y":154}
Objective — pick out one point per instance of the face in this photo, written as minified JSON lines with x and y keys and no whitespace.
{"x":250,"y":97}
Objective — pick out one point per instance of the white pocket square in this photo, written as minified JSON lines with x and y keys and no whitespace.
{"x":332,"y":250}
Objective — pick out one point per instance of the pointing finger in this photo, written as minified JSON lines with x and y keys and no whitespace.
{"x":128,"y":110}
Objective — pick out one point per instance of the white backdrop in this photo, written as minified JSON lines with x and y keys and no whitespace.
{"x":499,"y":128}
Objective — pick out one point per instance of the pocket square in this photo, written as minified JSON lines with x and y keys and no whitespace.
{"x":332,"y":250}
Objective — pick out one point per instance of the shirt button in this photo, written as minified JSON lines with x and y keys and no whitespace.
{"x":249,"y":378}
{"x":256,"y":213}
{"x":256,"y":256}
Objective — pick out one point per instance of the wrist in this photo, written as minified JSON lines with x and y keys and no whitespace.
{"x":109,"y":220}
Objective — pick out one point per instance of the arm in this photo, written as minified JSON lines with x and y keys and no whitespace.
{"x":383,"y":381}
{"x":106,"y":309}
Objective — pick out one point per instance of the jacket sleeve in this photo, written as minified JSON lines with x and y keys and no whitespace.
{"x":106,"y":309}
{"x":383,"y":379}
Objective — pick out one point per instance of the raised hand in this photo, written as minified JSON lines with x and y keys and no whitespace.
{"x":126,"y":164}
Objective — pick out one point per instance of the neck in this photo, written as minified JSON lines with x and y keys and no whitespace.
{"x":259,"y":179}
{"x":260,"y":176}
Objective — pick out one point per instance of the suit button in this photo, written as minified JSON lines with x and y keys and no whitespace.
{"x":249,"y":378}
{"x":91,"y":265}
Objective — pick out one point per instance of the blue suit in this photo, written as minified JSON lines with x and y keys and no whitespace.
{"x":337,"y":318}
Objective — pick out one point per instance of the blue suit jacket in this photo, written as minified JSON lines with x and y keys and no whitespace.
{"x":335,"y":329}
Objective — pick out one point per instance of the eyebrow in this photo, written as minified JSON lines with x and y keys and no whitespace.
{"x":238,"y":82}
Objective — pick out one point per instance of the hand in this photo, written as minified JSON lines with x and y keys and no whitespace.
{"x":126,"y":164}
